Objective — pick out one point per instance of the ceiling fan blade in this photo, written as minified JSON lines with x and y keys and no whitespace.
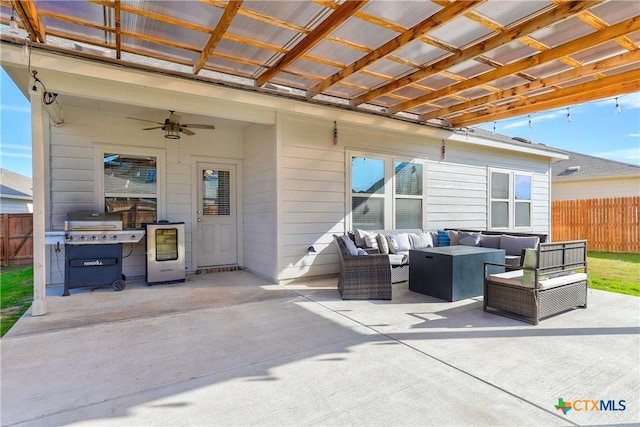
{"x":155,"y":127}
{"x":185,"y":131}
{"x":197,"y":126}
{"x":143,"y":120}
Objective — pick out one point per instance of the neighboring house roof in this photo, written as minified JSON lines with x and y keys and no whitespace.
{"x":583,"y":166}
{"x":15,"y":186}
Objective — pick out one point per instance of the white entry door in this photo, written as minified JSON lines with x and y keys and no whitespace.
{"x":217,"y":215}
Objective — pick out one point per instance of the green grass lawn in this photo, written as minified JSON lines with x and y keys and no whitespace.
{"x":615,"y":272}
{"x":16,"y":295}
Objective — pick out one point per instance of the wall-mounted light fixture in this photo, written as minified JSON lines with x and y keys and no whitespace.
{"x":13,"y":23}
{"x":311,"y":250}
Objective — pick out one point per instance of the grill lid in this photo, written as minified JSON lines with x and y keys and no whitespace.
{"x":87,"y":220}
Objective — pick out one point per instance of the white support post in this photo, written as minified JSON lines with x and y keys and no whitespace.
{"x":39,"y":306}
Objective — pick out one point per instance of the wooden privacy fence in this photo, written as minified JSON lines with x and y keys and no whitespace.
{"x":609,"y":225}
{"x":17,"y":238}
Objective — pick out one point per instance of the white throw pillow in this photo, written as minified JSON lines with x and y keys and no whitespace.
{"x":421,"y":240}
{"x":371,"y":239}
{"x":383,"y":244}
{"x":403,"y":241}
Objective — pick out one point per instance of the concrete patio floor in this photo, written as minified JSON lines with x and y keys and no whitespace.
{"x":233,"y":349}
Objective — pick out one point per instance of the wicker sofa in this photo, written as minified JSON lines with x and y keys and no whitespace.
{"x":371,"y":276}
{"x":552,"y":280}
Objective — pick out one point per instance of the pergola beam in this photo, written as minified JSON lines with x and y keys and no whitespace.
{"x":216,"y":35}
{"x":557,"y":79}
{"x":601,"y":88}
{"x":28,"y":14}
{"x":318,"y":34}
{"x":552,"y":16}
{"x":437,"y":20}
{"x":574,"y":46}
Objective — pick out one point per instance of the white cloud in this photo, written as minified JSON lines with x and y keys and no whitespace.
{"x":15,"y":147}
{"x":632,"y":135}
{"x":19,"y":155}
{"x":535,"y":118}
{"x":16,"y":108}
{"x":628,"y":155}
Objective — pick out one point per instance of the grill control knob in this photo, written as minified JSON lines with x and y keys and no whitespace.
{"x":83,"y":237}
{"x":114,"y":237}
{"x":105,"y":237}
{"x":94,"y":237}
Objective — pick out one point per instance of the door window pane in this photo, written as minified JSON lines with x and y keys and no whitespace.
{"x":368,"y":213}
{"x":367,"y":175}
{"x":216,"y":192}
{"x":408,"y":213}
{"x":408,"y":179}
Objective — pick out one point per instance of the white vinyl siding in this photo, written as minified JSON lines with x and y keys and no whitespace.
{"x":260,"y":250}
{"x":311,"y":200}
{"x":456,"y":196}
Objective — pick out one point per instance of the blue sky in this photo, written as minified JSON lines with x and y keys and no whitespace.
{"x":595,"y":128}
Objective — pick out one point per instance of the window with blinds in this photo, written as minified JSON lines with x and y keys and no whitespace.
{"x":386,"y":193}
{"x":130,"y":187}
{"x":510,"y":200}
{"x":216,"y":192}
{"x":408,"y":195}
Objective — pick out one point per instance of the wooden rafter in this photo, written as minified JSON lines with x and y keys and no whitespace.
{"x":555,"y":15}
{"x":597,"y":89}
{"x":576,"y":45}
{"x":555,"y":80}
{"x":431,"y":23}
{"x":216,"y":35}
{"x":454,"y":96}
{"x":28,"y":14}
{"x":340,"y":15}
{"x":118,"y":25}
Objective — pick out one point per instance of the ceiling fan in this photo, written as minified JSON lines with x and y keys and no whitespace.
{"x":172,"y":126}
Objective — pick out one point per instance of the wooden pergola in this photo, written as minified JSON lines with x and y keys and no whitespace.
{"x":450,"y":63}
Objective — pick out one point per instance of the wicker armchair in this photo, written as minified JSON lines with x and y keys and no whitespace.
{"x":363,"y":276}
{"x":558,"y":283}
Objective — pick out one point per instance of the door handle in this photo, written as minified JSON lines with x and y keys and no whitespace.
{"x":199,"y":219}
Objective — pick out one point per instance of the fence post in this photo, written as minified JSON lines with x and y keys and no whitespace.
{"x":5,"y":239}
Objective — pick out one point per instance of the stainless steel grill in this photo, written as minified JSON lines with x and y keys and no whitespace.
{"x":85,"y":228}
{"x":100,"y":263}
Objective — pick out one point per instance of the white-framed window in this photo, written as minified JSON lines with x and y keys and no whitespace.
{"x":509,"y":200}
{"x":386,"y":192}
{"x":129,"y":184}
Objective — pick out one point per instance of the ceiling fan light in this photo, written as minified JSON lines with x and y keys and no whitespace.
{"x":172,"y":133}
